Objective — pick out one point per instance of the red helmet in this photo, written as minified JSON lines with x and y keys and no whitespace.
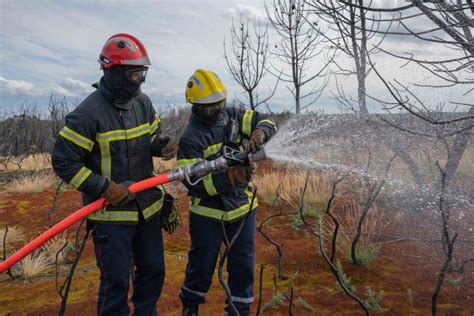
{"x":123,"y":49}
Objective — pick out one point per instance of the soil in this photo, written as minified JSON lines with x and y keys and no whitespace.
{"x":401,"y":266}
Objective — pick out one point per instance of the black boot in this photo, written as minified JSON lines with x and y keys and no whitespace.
{"x":191,"y":310}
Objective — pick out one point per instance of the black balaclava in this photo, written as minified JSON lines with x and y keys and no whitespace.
{"x":117,"y":84}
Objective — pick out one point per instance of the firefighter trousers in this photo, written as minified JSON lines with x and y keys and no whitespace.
{"x":115,"y":248}
{"x":206,"y":239}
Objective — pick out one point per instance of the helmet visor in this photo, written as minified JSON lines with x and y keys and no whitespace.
{"x":137,"y":75}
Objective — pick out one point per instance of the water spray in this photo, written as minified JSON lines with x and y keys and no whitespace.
{"x":196,"y":171}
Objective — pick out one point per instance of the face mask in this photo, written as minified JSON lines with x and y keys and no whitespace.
{"x":120,"y":86}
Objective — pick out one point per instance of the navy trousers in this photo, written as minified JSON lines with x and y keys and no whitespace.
{"x":114,"y":247}
{"x":206,"y":239}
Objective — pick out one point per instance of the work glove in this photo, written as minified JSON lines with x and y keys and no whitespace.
{"x":164,"y":146}
{"x":239,"y":174}
{"x":257,"y":139}
{"x":170,"y":219}
{"x":117,"y":194}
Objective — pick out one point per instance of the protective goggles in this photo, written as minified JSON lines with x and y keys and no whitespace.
{"x":137,"y":75}
{"x":212,"y":110}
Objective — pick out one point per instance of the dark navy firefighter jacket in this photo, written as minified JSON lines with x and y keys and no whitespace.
{"x":104,"y":141}
{"x":215,"y":197}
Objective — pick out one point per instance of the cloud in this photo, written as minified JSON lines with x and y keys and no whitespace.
{"x":247,"y":12}
{"x":70,"y":87}
{"x":18,"y":87}
{"x":51,"y":52}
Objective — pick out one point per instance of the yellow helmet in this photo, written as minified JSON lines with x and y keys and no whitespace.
{"x":205,"y":87}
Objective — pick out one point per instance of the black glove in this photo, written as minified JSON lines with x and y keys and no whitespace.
{"x":164,"y":146}
{"x":170,"y":219}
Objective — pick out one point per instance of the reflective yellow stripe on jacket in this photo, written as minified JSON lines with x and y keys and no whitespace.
{"x":127,"y":216}
{"x":154,"y":208}
{"x":156,"y":123}
{"x":80,"y":177}
{"x":76,"y":138}
{"x":208,"y":182}
{"x":182,"y":163}
{"x":114,"y":216}
{"x":269,"y":122}
{"x":212,"y":150}
{"x":209,"y":185}
{"x":224,"y":215}
{"x":104,"y":140}
{"x":247,"y":122}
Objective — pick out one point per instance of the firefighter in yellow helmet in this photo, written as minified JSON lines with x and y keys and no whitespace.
{"x":221,"y":195}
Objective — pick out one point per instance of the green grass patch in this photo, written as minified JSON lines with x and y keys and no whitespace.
{"x":366,"y":253}
{"x":275,"y":302}
{"x":300,"y":302}
{"x":373,"y":300}
{"x":453,"y":282}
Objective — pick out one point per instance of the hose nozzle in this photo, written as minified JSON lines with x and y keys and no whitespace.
{"x":202,"y":168}
{"x":259,"y":155}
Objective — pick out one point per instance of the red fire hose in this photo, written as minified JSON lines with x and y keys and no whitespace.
{"x":77,"y":216}
{"x":198,"y":170}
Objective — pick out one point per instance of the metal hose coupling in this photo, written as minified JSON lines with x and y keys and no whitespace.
{"x":204,"y":167}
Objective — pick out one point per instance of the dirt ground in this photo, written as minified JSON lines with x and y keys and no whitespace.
{"x":400,"y":266}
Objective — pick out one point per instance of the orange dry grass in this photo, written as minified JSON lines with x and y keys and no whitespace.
{"x":32,"y":162}
{"x":14,"y":234}
{"x":35,"y":263}
{"x":34,"y":183}
{"x":57,"y":246}
{"x":369,"y":243}
{"x":288,"y":184}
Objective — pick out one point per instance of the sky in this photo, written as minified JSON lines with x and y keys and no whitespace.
{"x":51,"y":47}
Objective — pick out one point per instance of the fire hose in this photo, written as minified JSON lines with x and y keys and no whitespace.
{"x":197,"y":171}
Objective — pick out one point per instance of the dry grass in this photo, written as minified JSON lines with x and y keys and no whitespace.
{"x":54,"y":247}
{"x":369,"y":244}
{"x":32,"y":162}
{"x":289,"y":184}
{"x":35,"y":263}
{"x":34,"y":183}
{"x":42,"y":259}
{"x":14,"y":234}
{"x":466,"y":167}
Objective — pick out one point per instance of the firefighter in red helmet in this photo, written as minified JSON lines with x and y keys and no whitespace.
{"x":107,"y":143}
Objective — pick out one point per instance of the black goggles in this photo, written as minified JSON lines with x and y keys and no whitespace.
{"x":213,"y":109}
{"x":137,"y":75}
